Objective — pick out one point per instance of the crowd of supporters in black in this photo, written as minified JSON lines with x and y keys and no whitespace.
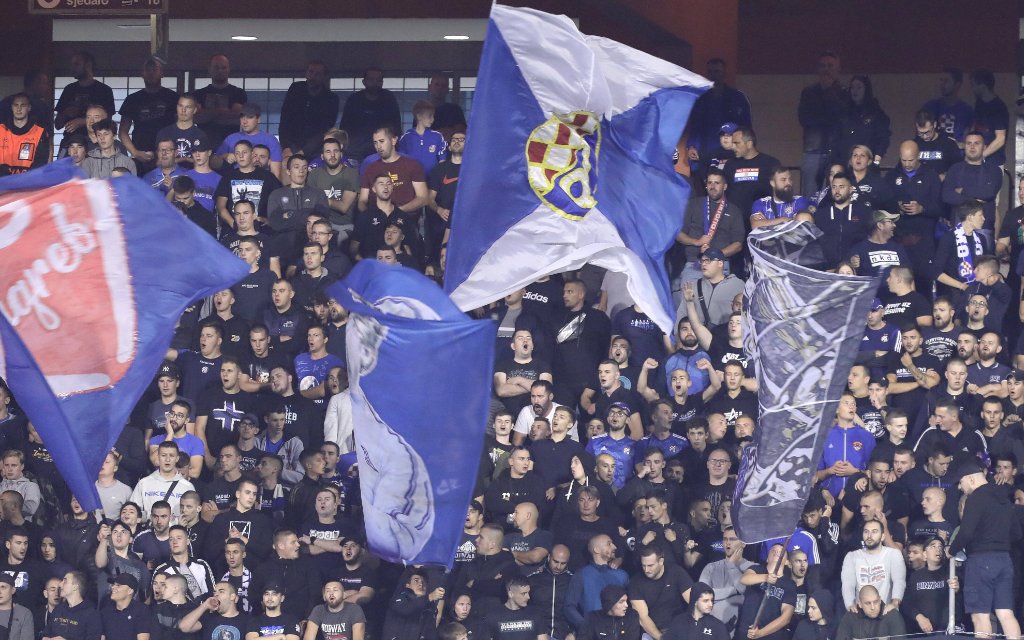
{"x":231,"y":504}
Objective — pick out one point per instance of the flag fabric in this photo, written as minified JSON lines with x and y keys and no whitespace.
{"x":93,"y":277}
{"x":420,"y":378}
{"x":568,"y":161}
{"x":803,"y":330}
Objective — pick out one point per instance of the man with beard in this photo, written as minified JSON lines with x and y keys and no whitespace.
{"x":896,"y":502}
{"x":879,"y":253}
{"x":442,"y":182}
{"x":844,"y":222}
{"x":710,"y":298}
{"x":582,"y":338}
{"x":987,"y":377}
{"x":874,"y":565}
{"x":340,"y":183}
{"x":910,"y":373}
{"x":144,"y":113}
{"x":335,"y":618}
{"x":749,"y":173}
{"x":711,"y":222}
{"x":616,"y":443}
{"x":176,"y":420}
{"x":918,"y":193}
{"x":76,"y":98}
{"x":940,"y":338}
{"x":781,"y":206}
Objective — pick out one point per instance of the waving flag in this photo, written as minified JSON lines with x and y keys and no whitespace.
{"x":93,"y":277}
{"x":803,"y":331}
{"x":568,"y":161}
{"x":420,"y":377}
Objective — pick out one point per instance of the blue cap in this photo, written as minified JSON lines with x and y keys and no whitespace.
{"x":876,"y":304}
{"x":728,"y":128}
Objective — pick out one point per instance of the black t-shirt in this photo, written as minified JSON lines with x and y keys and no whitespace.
{"x":198,"y":373}
{"x":80,"y":97}
{"x":939,"y":154}
{"x":224,"y":413}
{"x":900,"y":310}
{"x":544,"y":300}
{"x":268,"y":248}
{"x":252,"y":294}
{"x":221,"y":491}
{"x":258,"y":369}
{"x":683,"y":413}
{"x":444,"y":179}
{"x":150,"y":112}
{"x":184,"y":139}
{"x":356,"y":579}
{"x":911,"y":400}
{"x":990,"y":117}
{"x":217,"y":627}
{"x":523,"y":624}
{"x":749,"y":180}
{"x":662,"y":595}
{"x":722,"y":353}
{"x":872,"y":418}
{"x":745,"y":403}
{"x":370,"y":226}
{"x":530,"y":370}
{"x":266,"y":626}
{"x":940,"y":345}
{"x":211,"y":97}
{"x":254,"y":186}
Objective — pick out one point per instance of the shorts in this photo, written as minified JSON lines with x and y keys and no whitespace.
{"x":988,"y":583}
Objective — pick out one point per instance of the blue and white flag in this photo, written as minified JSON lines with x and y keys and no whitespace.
{"x":803,"y":330}
{"x":420,"y":378}
{"x":568,"y":161}
{"x":93,"y":277}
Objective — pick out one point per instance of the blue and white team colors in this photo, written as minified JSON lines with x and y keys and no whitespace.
{"x":93,"y":277}
{"x":419,"y":374}
{"x":568,"y":161}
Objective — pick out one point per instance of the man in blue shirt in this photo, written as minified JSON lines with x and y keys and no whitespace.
{"x":423,"y":144}
{"x":848,"y":448}
{"x":782,"y":205}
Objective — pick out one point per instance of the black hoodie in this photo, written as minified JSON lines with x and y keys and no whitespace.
{"x":686,"y":627}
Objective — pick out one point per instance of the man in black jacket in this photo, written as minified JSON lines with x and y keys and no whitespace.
{"x":697,"y":623}
{"x":615,"y":619}
{"x":987,"y":530}
{"x":547,"y":591}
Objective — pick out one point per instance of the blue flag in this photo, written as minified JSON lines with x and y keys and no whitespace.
{"x":420,"y":378}
{"x":568,"y":161}
{"x":93,"y":277}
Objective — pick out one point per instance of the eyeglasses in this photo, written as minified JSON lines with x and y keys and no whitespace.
{"x":978,"y":303}
{"x":176,"y":414}
{"x":718,"y":463}
{"x":458,"y":139}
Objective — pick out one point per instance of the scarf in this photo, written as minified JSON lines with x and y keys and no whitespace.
{"x":965,"y":266}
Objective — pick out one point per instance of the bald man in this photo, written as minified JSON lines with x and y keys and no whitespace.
{"x":869,"y":621}
{"x":584,"y":594}
{"x":548,"y":587}
{"x":917,"y":190}
{"x":530,"y":544}
{"x":934,"y":524}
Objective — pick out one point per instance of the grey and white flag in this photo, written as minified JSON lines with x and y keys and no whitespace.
{"x":803,"y":331}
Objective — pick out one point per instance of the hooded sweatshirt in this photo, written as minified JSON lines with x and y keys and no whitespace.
{"x":688,"y":626}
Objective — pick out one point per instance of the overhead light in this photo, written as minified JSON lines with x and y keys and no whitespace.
{"x":133,"y":26}
{"x":456,"y":37}
{"x":244,"y":38}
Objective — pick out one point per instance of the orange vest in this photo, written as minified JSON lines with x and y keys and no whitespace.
{"x":18,"y":151}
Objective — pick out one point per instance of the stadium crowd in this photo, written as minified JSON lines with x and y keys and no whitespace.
{"x":231,"y":503}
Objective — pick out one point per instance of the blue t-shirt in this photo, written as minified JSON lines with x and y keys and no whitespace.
{"x":206,"y":186}
{"x":260,"y":137}
{"x":306,"y":367}
{"x":188,"y":443}
{"x":772,"y":210}
{"x":621,"y":450}
{"x":885,"y":339}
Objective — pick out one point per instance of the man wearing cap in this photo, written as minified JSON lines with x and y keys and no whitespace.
{"x":879,"y":253}
{"x":204,"y":177}
{"x":178,"y":416}
{"x":243,"y":180}
{"x":124,"y":616}
{"x":711,"y":222}
{"x":249,"y":130}
{"x":184,"y":130}
{"x":711,"y":296}
{"x":988,"y":530}
{"x":15,"y":619}
{"x":274,"y":622}
{"x":146,"y":112}
{"x":880,"y":339}
{"x":168,"y":380}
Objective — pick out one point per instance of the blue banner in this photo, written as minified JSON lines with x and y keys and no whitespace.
{"x":93,"y":277}
{"x":420,"y":378}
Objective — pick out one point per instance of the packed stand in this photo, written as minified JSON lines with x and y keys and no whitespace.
{"x":231,"y":504}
